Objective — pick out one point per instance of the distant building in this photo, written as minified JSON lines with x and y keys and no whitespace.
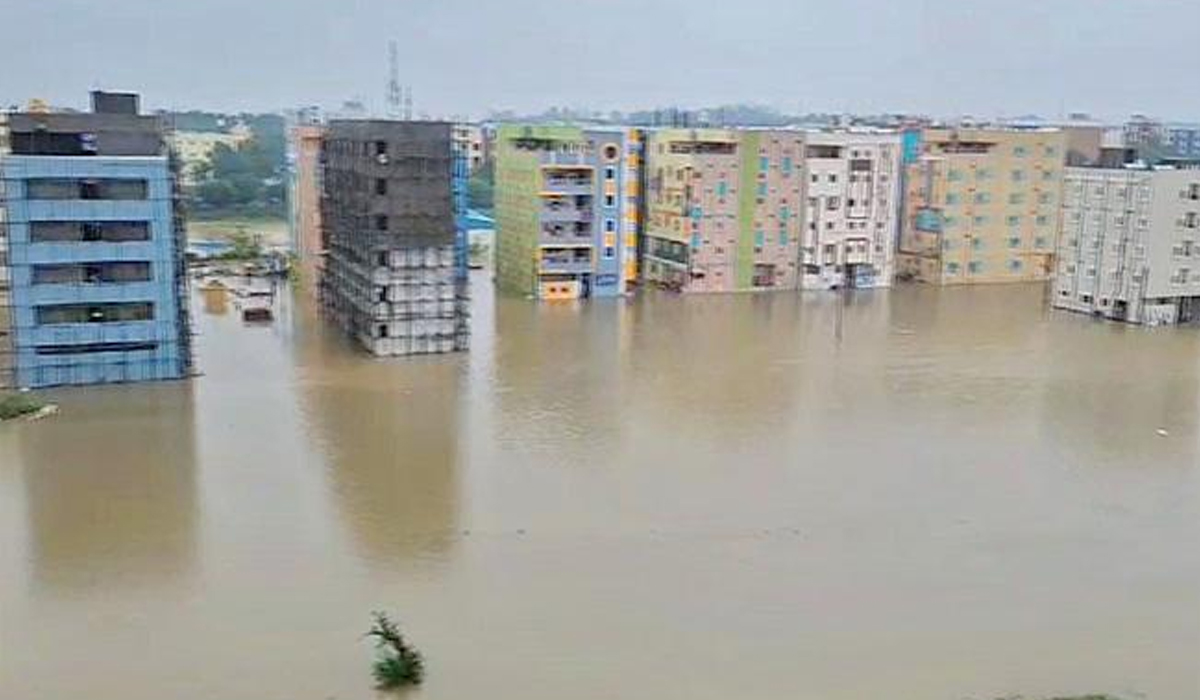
{"x":1130,"y":245}
{"x":567,"y":210}
{"x":724,"y":209}
{"x":96,"y":254}
{"x":195,"y":148}
{"x":1183,"y":140}
{"x":1146,"y":136}
{"x":851,"y":216}
{"x":982,"y":206}
{"x":395,"y":271}
{"x":304,"y":200}
{"x":468,"y":141}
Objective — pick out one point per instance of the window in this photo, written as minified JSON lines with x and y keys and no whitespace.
{"x":764,"y":163}
{"x":976,"y":243}
{"x":610,"y":225}
{"x":952,"y":268}
{"x":88,"y":231}
{"x":762,"y":189}
{"x":94,"y":313}
{"x":1180,"y":276}
{"x":1018,"y":175}
{"x":609,"y":252}
{"x":87,"y":188}
{"x":1048,"y":174}
{"x":1014,"y":241}
{"x":832,"y":178}
{"x":92,"y":273}
{"x":954,"y":175}
{"x":983,"y":174}
{"x":1013,"y":221}
{"x":1040,"y":242}
{"x":1051,"y":151}
{"x":1020,"y":151}
{"x":381,"y":294}
{"x":382,"y":331}
{"x":381,"y":222}
{"x":952,"y":198}
{"x":381,"y":258}
{"x":722,"y":189}
{"x":380,"y":186}
{"x":381,"y":148}
{"x":980,"y":221}
{"x":1014,"y":265}
{"x":974,"y":267}
{"x":982,"y":197}
{"x":758,"y":240}
{"x":1045,"y":198}
{"x":787,"y":165}
{"x":1042,"y":220}
{"x":832,"y":203}
{"x":610,"y":173}
{"x":610,"y":200}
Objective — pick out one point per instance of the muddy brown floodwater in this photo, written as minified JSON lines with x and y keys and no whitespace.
{"x":966,"y":496}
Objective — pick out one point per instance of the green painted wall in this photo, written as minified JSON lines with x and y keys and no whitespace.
{"x":518,"y":204}
{"x":747,"y":203}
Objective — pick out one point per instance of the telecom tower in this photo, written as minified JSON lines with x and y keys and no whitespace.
{"x":399,"y":97}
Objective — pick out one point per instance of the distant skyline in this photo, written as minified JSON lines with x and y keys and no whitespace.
{"x":988,"y":58}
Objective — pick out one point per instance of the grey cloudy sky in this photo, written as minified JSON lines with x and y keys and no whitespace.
{"x":982,"y":57}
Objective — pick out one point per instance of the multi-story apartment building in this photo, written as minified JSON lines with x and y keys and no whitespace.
{"x":851,"y":215}
{"x":1130,"y":245}
{"x":7,"y":378}
{"x":982,"y":205}
{"x":304,"y":200}
{"x":395,"y":272}
{"x":96,"y":254}
{"x":568,"y":204}
{"x":468,"y":142}
{"x":1183,"y":140}
{"x":724,"y":209}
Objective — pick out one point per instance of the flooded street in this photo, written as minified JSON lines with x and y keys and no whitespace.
{"x":966,"y":496}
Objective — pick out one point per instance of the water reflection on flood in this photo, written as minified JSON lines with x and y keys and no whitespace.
{"x":922,"y":493}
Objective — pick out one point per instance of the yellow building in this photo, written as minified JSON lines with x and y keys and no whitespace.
{"x":983,"y":206}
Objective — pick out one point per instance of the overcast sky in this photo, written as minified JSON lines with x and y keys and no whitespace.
{"x":465,"y":57}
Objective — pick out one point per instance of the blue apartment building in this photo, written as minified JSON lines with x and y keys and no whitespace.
{"x":96,"y":262}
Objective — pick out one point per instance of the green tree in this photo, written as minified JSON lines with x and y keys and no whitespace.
{"x":398,"y":663}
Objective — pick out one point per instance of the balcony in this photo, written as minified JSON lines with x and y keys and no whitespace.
{"x":566,"y":233}
{"x":570,"y":261}
{"x":567,"y":185}
{"x":566,"y":214}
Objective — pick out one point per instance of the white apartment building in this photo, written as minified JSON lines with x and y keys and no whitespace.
{"x":852,"y":213}
{"x":1130,"y":245}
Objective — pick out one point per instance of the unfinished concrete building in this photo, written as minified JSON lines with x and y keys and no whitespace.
{"x":395,"y":273}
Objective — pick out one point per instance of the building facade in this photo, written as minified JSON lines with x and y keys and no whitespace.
{"x":395,"y":272}
{"x":982,"y":206}
{"x":1183,"y":140}
{"x":468,"y":141}
{"x":96,"y":249}
{"x":724,"y":209}
{"x":304,"y":201}
{"x":568,"y":203}
{"x":1130,"y":245}
{"x":852,"y":205}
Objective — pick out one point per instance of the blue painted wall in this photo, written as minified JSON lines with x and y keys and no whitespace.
{"x":167,"y":360}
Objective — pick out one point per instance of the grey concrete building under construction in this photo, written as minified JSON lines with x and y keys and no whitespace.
{"x":394,"y":275}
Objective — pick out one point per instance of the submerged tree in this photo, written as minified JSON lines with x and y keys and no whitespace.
{"x":398,"y":663}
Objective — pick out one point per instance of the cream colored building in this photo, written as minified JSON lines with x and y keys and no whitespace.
{"x":1130,"y":245}
{"x":468,"y":139}
{"x":982,"y":206}
{"x":852,"y":188}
